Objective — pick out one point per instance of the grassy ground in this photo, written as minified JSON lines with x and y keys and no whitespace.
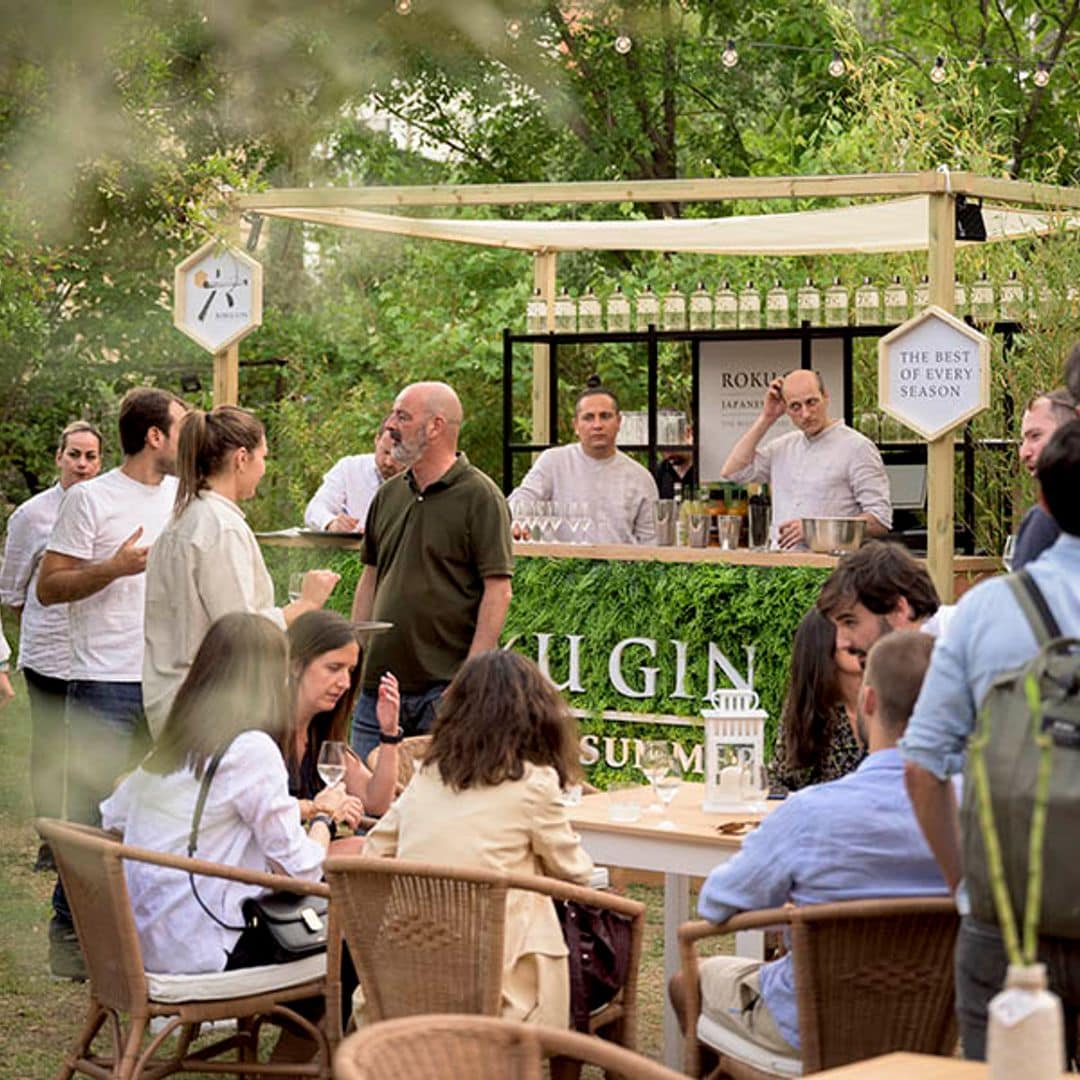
{"x":42,"y":1015}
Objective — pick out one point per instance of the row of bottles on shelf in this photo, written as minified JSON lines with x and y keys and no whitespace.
{"x":727,"y":309}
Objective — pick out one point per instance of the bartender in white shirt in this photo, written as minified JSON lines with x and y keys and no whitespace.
{"x":823,"y":469}
{"x":341,"y":503}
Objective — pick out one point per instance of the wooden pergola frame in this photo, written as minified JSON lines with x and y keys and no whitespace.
{"x":940,"y":186}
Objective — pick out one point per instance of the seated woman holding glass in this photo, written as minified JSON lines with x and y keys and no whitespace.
{"x":487,"y":796}
{"x":324,"y":659}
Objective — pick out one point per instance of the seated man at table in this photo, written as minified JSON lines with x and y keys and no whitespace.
{"x":855,"y":838}
{"x":823,"y":469}
{"x":342,"y":501}
{"x":616,"y":493}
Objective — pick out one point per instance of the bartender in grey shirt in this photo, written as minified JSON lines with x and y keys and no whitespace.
{"x":620,"y":495}
{"x":824,"y":469}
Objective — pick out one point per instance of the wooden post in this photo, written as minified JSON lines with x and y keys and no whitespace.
{"x":227,"y":376}
{"x":940,"y":455}
{"x":544,"y":280}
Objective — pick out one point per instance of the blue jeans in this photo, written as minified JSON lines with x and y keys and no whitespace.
{"x":417,"y":716}
{"x":107,"y":736}
{"x":980,"y":974}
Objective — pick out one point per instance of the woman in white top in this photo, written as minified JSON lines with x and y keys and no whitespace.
{"x":207,"y":561}
{"x":488,"y":797}
{"x":235,"y":697}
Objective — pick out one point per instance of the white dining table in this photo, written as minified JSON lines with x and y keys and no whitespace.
{"x":689,"y":848}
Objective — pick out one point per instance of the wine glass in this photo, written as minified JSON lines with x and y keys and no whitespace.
{"x":1007,"y":552}
{"x":331,"y":764}
{"x":296,"y":586}
{"x":666,"y":788}
{"x":654,"y":761}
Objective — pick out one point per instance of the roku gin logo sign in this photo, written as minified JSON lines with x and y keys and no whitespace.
{"x":639,"y":669}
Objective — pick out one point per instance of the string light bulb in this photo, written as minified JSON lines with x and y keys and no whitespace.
{"x":730,"y":56}
{"x":403,"y":7}
{"x":513,"y":29}
{"x":836,"y":65}
{"x":623,"y":43}
{"x":1042,"y":74}
{"x":937,"y":72}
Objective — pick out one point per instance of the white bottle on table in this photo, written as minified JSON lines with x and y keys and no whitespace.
{"x":1026,"y":1033}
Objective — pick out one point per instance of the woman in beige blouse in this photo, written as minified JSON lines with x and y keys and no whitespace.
{"x":488,"y":796}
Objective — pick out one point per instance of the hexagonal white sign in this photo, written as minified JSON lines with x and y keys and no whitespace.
{"x":217,"y":295}
{"x":933,"y":373}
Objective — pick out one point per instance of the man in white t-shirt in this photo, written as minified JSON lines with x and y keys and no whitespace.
{"x":617,"y":493}
{"x":342,"y":501}
{"x":44,"y":640}
{"x":94,"y":563}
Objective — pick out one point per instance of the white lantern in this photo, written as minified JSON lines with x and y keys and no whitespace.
{"x":734,"y":752}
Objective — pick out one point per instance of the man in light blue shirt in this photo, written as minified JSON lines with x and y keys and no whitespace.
{"x":989,"y":635}
{"x":850,"y":839}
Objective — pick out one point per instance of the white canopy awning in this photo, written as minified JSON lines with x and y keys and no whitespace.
{"x":901,"y":224}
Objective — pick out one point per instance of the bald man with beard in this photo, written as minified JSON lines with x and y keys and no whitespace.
{"x":437,"y":564}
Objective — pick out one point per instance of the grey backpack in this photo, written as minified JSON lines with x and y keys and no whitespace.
{"x":1011,"y":757}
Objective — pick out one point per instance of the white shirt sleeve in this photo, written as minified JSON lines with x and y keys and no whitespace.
{"x":19,"y":562}
{"x":330,"y":500}
{"x":870,"y":483}
{"x":536,"y":484}
{"x":75,"y":528}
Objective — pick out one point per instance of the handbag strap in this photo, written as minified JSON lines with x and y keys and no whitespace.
{"x":1034,"y":606}
{"x":193,"y":836}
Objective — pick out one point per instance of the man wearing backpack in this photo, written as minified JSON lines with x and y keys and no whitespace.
{"x":989,"y":636}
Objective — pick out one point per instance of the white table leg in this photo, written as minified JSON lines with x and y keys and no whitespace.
{"x":676,"y":912}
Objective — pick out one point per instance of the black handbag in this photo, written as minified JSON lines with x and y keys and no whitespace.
{"x":282,"y":926}
{"x":598,"y":940}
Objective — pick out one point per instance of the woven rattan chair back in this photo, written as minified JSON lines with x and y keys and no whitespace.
{"x":437,"y":1047}
{"x":872,"y":977}
{"x":92,"y":871}
{"x":423,"y":939}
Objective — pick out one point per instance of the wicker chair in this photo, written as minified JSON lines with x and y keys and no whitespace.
{"x":410,"y":751}
{"x":436,"y":1047}
{"x":91,"y":865}
{"x":871,"y":977}
{"x":429,"y":939}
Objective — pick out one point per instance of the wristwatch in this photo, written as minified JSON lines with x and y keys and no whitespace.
{"x":324,"y":819}
{"x":392,"y":739}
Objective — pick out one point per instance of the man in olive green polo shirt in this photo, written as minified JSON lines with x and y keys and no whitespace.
{"x":437,"y":563}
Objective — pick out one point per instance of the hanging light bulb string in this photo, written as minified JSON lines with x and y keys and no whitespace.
{"x":837,"y":67}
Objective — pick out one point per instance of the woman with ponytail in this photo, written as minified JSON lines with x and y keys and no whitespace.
{"x":207,"y":562}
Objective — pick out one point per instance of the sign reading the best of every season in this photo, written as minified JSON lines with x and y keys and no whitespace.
{"x":218,"y":295}
{"x":933,"y":373}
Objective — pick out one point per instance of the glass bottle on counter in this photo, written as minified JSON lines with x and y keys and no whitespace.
{"x":960,"y":301}
{"x":589,"y":313}
{"x":680,"y":519}
{"x":982,"y":299}
{"x":726,"y":308}
{"x":808,"y":304}
{"x":836,"y":304}
{"x":867,"y":304}
{"x":749,"y":308}
{"x":777,"y":307}
{"x":648,"y":310}
{"x":701,"y":308}
{"x":760,"y":516}
{"x":1011,"y":299}
{"x":922,"y":293}
{"x":618,"y":311}
{"x":674,"y":309}
{"x":565,"y":312}
{"x":536,"y":313}
{"x":896,"y":307}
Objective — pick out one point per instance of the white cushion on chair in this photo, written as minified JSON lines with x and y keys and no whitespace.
{"x":243,"y":982}
{"x":738,"y":1046}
